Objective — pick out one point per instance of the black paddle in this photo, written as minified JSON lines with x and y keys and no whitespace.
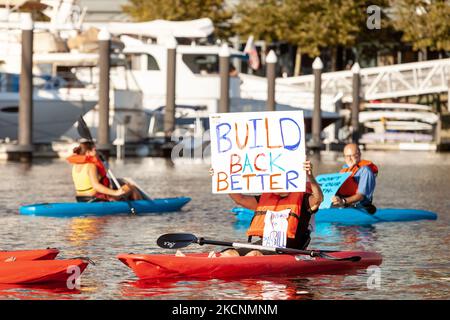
{"x":181,"y":240}
{"x":83,"y":129}
{"x":84,"y":132}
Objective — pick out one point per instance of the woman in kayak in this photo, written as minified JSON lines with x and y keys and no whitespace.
{"x":90,"y":180}
{"x":301,"y":206}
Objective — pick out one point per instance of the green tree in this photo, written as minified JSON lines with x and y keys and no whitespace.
{"x":262,"y":18}
{"x":317,"y":24}
{"x":179,"y":10}
{"x":311,"y":25}
{"x":424,"y":23}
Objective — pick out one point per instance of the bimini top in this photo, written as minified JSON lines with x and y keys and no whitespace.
{"x":199,"y":28}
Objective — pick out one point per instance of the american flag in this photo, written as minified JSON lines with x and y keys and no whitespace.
{"x":250,"y":49}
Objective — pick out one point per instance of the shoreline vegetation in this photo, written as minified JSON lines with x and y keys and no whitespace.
{"x":345,"y":31}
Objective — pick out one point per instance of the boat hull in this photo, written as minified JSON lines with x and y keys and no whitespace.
{"x":40,"y":271}
{"x":352,"y":216}
{"x":54,"y":112}
{"x":158,"y":267}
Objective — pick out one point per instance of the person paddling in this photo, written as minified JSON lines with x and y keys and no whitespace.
{"x":90,"y":178}
{"x":298,"y":207}
{"x":358,"y":189}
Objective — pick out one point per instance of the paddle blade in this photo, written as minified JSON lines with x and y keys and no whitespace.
{"x":83,"y":129}
{"x":138,"y":187}
{"x":176,"y":240}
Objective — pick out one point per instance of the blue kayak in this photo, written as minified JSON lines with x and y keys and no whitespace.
{"x":83,"y":209}
{"x":353,"y":216}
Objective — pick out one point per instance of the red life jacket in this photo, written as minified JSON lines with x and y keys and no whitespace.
{"x":83,"y":159}
{"x":273,"y":202}
{"x":350,"y":186}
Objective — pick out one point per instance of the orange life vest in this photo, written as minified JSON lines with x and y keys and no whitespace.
{"x":273,"y":202}
{"x":350,"y":186}
{"x":83,"y":159}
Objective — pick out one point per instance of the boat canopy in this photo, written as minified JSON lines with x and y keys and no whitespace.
{"x":199,"y":28}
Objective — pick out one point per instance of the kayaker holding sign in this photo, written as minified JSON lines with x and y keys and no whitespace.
{"x":264,"y":153}
{"x":90,"y":179}
{"x":281,"y":219}
{"x":358,"y":189}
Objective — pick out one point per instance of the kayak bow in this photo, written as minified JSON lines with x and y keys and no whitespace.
{"x":24,"y":255}
{"x":40,"y":271}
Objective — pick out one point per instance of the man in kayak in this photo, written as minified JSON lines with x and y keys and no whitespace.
{"x":358,"y":189}
{"x":301,"y":206}
{"x":90,"y":180}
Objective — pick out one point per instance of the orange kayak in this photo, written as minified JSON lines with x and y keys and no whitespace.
{"x":43,"y":254}
{"x":41,"y":271}
{"x":164,"y":266}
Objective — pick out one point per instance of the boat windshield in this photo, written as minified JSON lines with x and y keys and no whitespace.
{"x":203,"y":64}
{"x":9,"y":82}
{"x":141,"y":62}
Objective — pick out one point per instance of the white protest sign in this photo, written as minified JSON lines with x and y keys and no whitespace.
{"x":256,"y":152}
{"x":275,"y":228}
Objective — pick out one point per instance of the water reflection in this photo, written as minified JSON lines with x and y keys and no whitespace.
{"x":38,"y":292}
{"x":84,"y":230}
{"x":251,"y":289}
{"x":410,"y":270}
{"x":266,"y":288}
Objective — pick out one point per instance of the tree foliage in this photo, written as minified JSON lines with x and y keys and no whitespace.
{"x":179,"y":10}
{"x":262,"y":18}
{"x":316,"y":24}
{"x":310,"y":24}
{"x":313,"y":25}
{"x":424,"y":23}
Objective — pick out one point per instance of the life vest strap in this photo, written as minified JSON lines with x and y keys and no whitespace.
{"x":259,"y":212}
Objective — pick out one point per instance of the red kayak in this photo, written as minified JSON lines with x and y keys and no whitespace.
{"x":161,"y":266}
{"x":44,"y":254}
{"x":40,"y":271}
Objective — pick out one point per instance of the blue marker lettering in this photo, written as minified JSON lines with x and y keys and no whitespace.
{"x":254,"y":134}
{"x":233,"y":182}
{"x":295,"y":145}
{"x":288,"y":179}
{"x":223,"y":137}
{"x":262,"y":175}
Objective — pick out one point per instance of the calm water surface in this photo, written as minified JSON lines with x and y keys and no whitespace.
{"x":415,"y":254}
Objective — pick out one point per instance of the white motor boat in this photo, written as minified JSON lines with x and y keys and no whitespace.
{"x":57,"y":103}
{"x":197,"y":70}
{"x":55,"y":110}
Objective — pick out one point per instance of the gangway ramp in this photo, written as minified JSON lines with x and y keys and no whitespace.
{"x":385,"y":82}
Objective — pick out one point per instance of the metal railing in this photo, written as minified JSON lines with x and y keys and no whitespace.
{"x":394,"y":81}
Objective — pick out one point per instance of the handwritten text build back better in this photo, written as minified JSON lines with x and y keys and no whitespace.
{"x":255,"y":152}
